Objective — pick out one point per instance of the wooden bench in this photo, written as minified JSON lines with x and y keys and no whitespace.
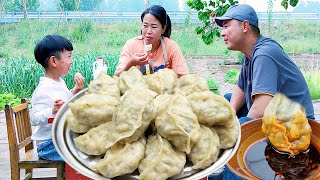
{"x":19,"y":137}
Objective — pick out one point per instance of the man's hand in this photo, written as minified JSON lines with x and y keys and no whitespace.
{"x":79,"y":83}
{"x":260,"y":103}
{"x":57,"y":105}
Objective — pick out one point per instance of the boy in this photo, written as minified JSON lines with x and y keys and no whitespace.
{"x":54,"y":53}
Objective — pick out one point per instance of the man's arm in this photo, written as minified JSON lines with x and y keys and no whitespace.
{"x":237,"y":98}
{"x":260,"y":103}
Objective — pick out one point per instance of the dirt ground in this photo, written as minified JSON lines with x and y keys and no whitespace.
{"x":213,"y":66}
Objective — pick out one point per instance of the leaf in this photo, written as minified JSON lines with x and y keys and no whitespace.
{"x":199,"y":29}
{"x":284,"y":3}
{"x":293,"y":3}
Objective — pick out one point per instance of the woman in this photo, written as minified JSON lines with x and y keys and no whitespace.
{"x":165,"y":53}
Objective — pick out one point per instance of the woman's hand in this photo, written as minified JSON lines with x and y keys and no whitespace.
{"x":139,"y":59}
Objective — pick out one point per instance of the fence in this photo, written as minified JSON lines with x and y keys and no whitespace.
{"x":176,"y":17}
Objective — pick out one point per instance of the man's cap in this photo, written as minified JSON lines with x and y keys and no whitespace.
{"x":240,"y":12}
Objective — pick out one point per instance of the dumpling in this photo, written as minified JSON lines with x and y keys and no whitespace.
{"x":286,"y":126}
{"x":206,"y":150}
{"x":161,"y":160}
{"x":228,"y":135}
{"x":163,"y":82}
{"x":76,"y":126}
{"x":94,"y":141}
{"x":191,"y":83}
{"x":133,"y":116}
{"x":176,"y":122}
{"x":122,"y":159}
{"x":131,"y":79}
{"x":211,"y":109}
{"x":104,"y":84}
{"x":94,"y":109}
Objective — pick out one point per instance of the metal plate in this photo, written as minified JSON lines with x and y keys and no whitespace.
{"x":63,"y":137}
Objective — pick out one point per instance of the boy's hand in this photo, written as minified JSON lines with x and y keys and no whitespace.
{"x":79,"y":83}
{"x":57,"y":105}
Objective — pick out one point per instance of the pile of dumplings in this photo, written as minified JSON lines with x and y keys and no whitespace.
{"x":152,"y":123}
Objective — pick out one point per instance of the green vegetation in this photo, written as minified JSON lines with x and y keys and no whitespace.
{"x":213,"y":85}
{"x":21,"y":76}
{"x":8,"y":99}
{"x":231,"y":76}
{"x":19,"y":72}
{"x":313,"y":81}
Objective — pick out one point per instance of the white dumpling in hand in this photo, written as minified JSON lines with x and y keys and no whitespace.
{"x":161,"y":160}
{"x":94,"y":109}
{"x":176,"y":122}
{"x":122,"y":159}
{"x":206,"y":150}
{"x":75,"y":125}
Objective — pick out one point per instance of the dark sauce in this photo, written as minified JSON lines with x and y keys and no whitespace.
{"x":266,"y":162}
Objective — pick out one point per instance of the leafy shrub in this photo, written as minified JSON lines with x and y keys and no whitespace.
{"x":8,"y":99}
{"x":313,"y":82}
{"x":81,"y":32}
{"x":231,"y":76}
{"x":213,"y":84}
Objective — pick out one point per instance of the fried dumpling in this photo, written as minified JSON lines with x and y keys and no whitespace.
{"x":191,"y":83}
{"x":206,"y":150}
{"x":75,"y":125}
{"x":131,"y":79}
{"x":228,"y":135}
{"x":161,"y":160}
{"x":122,"y":159}
{"x":286,"y":126}
{"x":133,"y":116}
{"x":94,"y":109}
{"x":176,"y":122}
{"x":94,"y":141}
{"x":104,"y":84}
{"x":211,"y":109}
{"x":163,"y":82}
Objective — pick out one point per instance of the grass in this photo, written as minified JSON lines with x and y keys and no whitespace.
{"x":19,"y":73}
{"x":313,"y":81}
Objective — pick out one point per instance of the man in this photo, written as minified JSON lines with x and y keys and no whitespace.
{"x":266,"y":68}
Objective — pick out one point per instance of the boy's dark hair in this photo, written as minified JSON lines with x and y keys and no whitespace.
{"x":159,"y":13}
{"x":51,"y":45}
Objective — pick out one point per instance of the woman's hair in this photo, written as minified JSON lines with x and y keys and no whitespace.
{"x":160,"y":13}
{"x":51,"y":45}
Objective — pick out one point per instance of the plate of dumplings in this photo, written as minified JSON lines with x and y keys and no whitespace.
{"x":157,"y":126}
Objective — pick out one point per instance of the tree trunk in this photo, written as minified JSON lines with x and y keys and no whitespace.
{"x":2,"y":10}
{"x":146,"y":3}
{"x":25,"y":13}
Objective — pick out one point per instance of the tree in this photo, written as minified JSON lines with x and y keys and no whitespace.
{"x":20,"y":5}
{"x":68,"y":5}
{"x":90,"y":5}
{"x":209,"y":9}
{"x":146,"y":3}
